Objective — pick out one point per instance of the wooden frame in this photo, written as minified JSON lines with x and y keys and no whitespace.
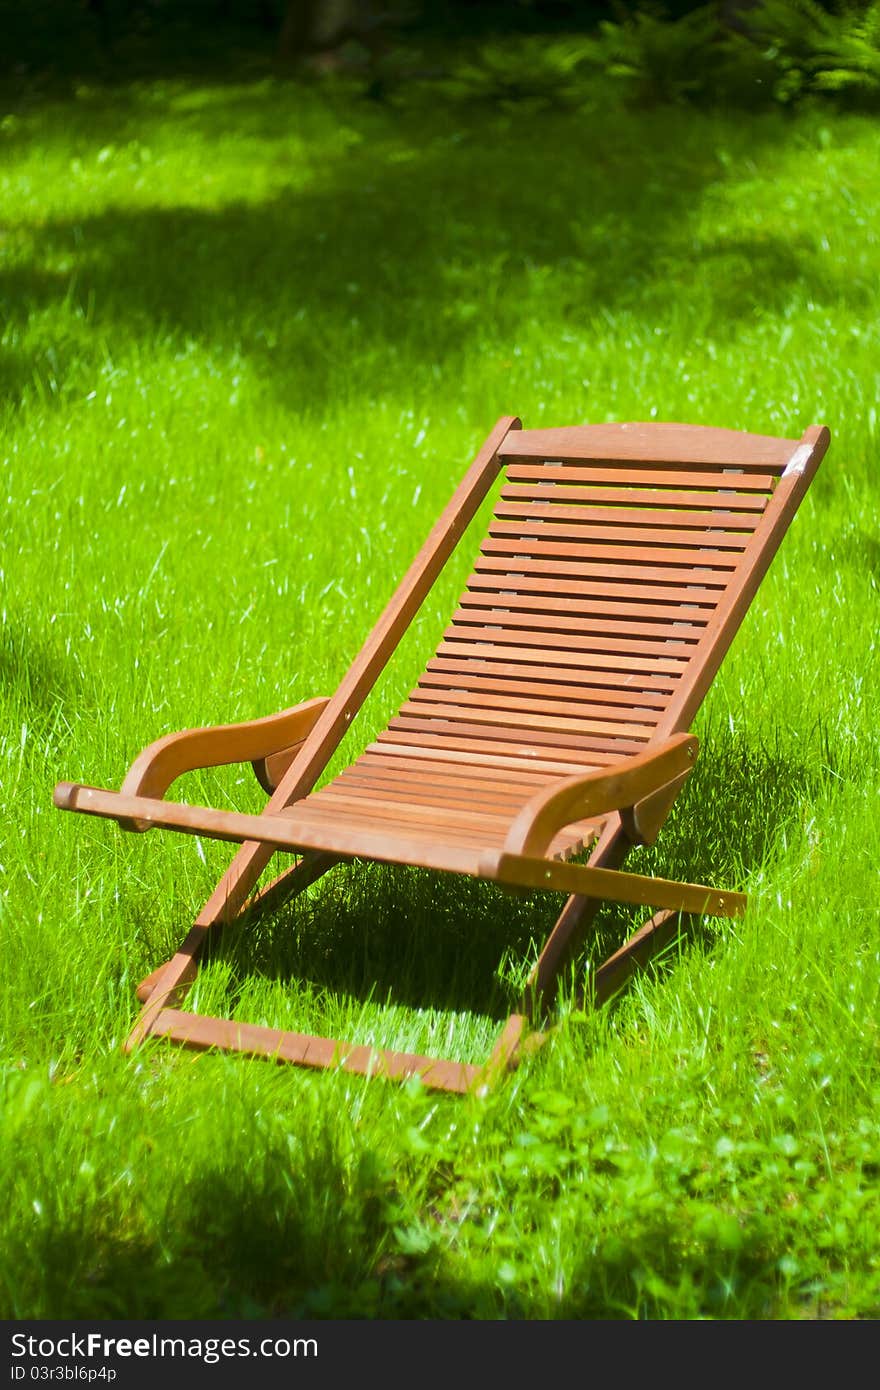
{"x":619,"y":564}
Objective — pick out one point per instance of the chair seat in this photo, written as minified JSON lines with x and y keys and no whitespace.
{"x":454,"y":809}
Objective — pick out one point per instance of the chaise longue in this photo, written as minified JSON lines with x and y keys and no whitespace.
{"x":551,"y":724}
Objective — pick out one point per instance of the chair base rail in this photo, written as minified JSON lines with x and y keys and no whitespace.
{"x":204,"y":1033}
{"x":613,"y":885}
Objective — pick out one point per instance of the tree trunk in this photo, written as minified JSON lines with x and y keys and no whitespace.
{"x":318,"y":26}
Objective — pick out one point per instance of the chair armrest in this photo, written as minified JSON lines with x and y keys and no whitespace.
{"x":153,"y":770}
{"x":619,"y":788}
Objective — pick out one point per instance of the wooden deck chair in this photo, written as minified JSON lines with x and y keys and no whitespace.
{"x":619,"y":563}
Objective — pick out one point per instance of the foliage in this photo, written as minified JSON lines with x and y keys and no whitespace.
{"x":644,"y":56}
{"x":656,"y":58}
{"x":545,"y":73}
{"x":784,"y":50}
{"x":575,"y":57}
{"x":810,"y":49}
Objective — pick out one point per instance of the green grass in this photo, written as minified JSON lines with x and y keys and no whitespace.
{"x":252,"y":334}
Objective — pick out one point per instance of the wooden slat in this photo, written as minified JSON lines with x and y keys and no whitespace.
{"x":421,"y":839}
{"x":369,"y":770}
{"x":486,"y":750}
{"x":502,"y":558}
{"x":596,"y":596}
{"x":610,"y":684}
{"x":468,"y":796}
{"x":421,"y":836}
{"x":406,"y":785}
{"x":675,"y":637}
{"x":439,"y":803}
{"x":589,"y":616}
{"x":482,"y":713}
{"x":201,"y":1033}
{"x":653,"y":442}
{"x":425,"y":771}
{"x":637,"y":474}
{"x":415,"y":824}
{"x":581,"y":662}
{"x":643,"y":702}
{"x":472,"y":725}
{"x":418,"y":819}
{"x":571,"y":710}
{"x":635,"y":541}
{"x":333,"y":807}
{"x":695,"y":557}
{"x":629,"y":654}
{"x":470,"y":793}
{"x":505,"y":806}
{"x":641,"y":519}
{"x":421,"y":822}
{"x":707,"y":501}
{"x":349,"y":802}
{"x":559,"y":744}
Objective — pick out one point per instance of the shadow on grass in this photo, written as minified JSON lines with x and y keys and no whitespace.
{"x":724,"y":827}
{"x":421,"y":235}
{"x":320,"y":1238}
{"x":399,"y":936}
{"x":18,"y":369}
{"x":858,"y":550}
{"x":31,"y":667}
{"x":373,"y":932}
{"x":52,"y":45}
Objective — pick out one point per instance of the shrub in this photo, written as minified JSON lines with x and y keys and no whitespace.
{"x":810,"y":49}
{"x":783,"y":50}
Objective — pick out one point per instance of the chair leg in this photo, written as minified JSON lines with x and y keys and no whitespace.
{"x":149,"y":982}
{"x":288,"y":884}
{"x":230,"y":901}
{"x":513,"y":1042}
{"x":570,"y":929}
{"x":311,"y":866}
{"x":635,"y":953}
{"x":162,"y":991}
{"x":571,"y":926}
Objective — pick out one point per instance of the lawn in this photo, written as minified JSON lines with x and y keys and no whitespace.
{"x":252,"y":335}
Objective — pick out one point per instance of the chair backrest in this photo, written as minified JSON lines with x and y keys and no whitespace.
{"x":619,"y":563}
